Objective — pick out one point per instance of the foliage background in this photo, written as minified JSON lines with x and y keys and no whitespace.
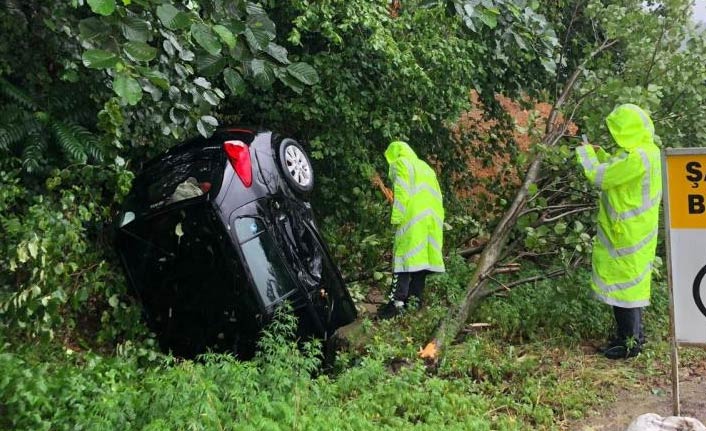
{"x":91,"y":89}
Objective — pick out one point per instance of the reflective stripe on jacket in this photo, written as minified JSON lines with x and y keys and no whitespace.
{"x":628,"y":215}
{"x":417,"y":211}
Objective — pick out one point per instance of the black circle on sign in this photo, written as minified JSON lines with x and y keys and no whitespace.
{"x":697,"y":294}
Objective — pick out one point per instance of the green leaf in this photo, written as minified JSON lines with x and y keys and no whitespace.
{"x":489,"y":18}
{"x":257,"y":39}
{"x":264,"y":23}
{"x":139,"y":51}
{"x":560,"y":228}
{"x":234,"y":81}
{"x":304,"y":73}
{"x":99,"y":59}
{"x":211,"y":97}
{"x":205,"y":38}
{"x":102,"y":7}
{"x":277,"y":52}
{"x":92,"y":28}
{"x":549,"y":65}
{"x":226,"y":35}
{"x":127,"y":88}
{"x":254,"y":9}
{"x":113,"y":301}
{"x":262,"y":73}
{"x":33,"y":249}
{"x":135,"y":29}
{"x":172,"y":18}
{"x":237,"y":27}
{"x":156,"y":77}
{"x":288,"y":80}
{"x":206,"y":125}
{"x":203,"y":83}
{"x":210,"y":65}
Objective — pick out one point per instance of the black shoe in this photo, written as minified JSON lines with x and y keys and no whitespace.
{"x":388,"y":311}
{"x":622,"y":352}
{"x":615,"y":342}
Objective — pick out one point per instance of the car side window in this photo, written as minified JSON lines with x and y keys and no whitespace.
{"x":263,"y":260}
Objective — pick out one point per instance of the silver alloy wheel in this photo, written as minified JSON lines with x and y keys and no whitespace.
{"x":298,"y":165}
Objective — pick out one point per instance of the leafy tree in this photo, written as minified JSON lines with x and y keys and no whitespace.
{"x":175,"y":62}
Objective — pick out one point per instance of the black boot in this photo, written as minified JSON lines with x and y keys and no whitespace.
{"x":630,"y":337}
{"x":622,"y":351}
{"x":612,"y":343}
{"x":389,"y":311}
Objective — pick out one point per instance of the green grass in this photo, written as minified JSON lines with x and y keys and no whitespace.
{"x":530,"y":370}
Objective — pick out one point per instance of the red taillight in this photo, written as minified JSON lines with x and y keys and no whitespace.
{"x":239,"y":156}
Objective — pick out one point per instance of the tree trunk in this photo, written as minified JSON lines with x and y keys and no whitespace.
{"x":554,"y":131}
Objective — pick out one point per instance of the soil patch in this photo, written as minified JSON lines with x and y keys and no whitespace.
{"x":633,"y":402}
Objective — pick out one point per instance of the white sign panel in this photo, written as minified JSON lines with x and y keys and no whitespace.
{"x":689,"y":284}
{"x":685,"y":211}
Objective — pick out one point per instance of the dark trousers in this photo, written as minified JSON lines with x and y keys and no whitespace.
{"x":629,"y":324}
{"x":409,"y":284}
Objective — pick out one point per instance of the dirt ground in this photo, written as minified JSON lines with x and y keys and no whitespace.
{"x":630,"y":404}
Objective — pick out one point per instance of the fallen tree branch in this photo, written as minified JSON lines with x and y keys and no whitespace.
{"x":450,"y":326}
{"x":470,"y":251}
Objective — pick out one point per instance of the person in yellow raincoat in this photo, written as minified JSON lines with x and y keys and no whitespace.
{"x":418,"y":214}
{"x":630,"y":184}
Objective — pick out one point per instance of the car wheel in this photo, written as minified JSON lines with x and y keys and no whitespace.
{"x":296,"y":166}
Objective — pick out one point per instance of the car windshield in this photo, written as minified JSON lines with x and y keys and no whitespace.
{"x":263,"y":260}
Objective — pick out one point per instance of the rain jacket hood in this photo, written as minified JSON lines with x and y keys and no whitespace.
{"x":399,"y":149}
{"x":630,"y":126}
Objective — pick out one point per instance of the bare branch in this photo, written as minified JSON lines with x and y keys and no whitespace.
{"x":551,"y":208}
{"x":472,"y":250}
{"x":646,"y":81}
{"x":569,"y":31}
{"x":562,"y":215}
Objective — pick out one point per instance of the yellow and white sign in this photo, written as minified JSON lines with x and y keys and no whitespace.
{"x":685,"y":223}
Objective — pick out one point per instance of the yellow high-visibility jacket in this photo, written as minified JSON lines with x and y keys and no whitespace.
{"x":631,"y":188}
{"x":417,"y":211}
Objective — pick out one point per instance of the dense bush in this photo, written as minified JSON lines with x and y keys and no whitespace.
{"x":56,"y":249}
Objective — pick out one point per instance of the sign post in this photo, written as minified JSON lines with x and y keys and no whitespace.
{"x":684,"y":189}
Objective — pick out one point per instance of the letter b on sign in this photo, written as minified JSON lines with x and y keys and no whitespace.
{"x":696,"y":204}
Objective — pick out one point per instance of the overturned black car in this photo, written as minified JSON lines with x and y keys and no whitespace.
{"x":218,"y":232}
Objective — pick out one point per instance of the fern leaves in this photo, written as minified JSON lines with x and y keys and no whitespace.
{"x":34,"y":152}
{"x":12,"y":134}
{"x":16,"y":95}
{"x":68,"y":136}
{"x":29,"y":131}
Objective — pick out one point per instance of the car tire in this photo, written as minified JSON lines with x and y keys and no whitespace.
{"x":296,"y":167}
